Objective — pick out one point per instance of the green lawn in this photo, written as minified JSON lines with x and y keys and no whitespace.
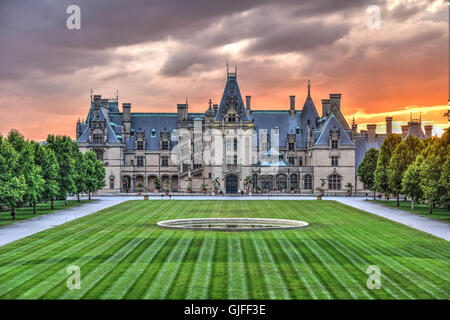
{"x":26,"y":212}
{"x":440,"y":214}
{"x":124,"y":255}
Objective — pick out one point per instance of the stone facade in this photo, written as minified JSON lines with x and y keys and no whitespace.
{"x":230,"y":143}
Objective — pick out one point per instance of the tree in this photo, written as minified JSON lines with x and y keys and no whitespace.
{"x":12,"y":184}
{"x":434,"y":170}
{"x":28,"y":168}
{"x":62,"y":147}
{"x":411,"y":181}
{"x":366,"y":169}
{"x":381,"y":182}
{"x":46,"y":159}
{"x":403,"y":155}
{"x":79,"y":175}
{"x":95,"y":172}
{"x":445,"y":182}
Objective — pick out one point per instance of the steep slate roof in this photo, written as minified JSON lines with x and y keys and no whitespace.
{"x":333,"y":124}
{"x":231,"y":89}
{"x":269,"y":119}
{"x":102,"y":116}
{"x":362,"y":146}
{"x":415,"y":129}
{"x":309,"y":115}
{"x":148,"y":122}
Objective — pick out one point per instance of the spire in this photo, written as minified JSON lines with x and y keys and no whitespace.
{"x":210,"y":102}
{"x":309,"y":88}
{"x":228,"y":69}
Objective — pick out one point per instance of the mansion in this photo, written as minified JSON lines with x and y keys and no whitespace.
{"x":231,"y":147}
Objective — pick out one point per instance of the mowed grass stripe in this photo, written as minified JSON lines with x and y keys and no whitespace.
{"x":237,"y":286}
{"x":24,"y":276}
{"x":408,"y":273}
{"x":47,"y":267}
{"x":30,"y":252}
{"x":217,"y":265}
{"x":201,"y":277}
{"x":18,"y":249}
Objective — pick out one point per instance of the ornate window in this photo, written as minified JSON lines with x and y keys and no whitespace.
{"x":140,"y":161}
{"x":308,"y":182}
{"x":291,"y":146}
{"x":291,"y":160}
{"x":97,"y":138}
{"x":294,"y":181}
{"x":164,"y":161}
{"x":334,"y":144}
{"x":334,"y":161}
{"x":334,"y":181}
{"x":140,"y":145}
{"x":164,"y":145}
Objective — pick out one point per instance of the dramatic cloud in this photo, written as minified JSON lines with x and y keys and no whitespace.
{"x":160,"y":52}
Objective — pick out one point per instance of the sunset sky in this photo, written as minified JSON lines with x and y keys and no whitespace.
{"x":157,"y":53}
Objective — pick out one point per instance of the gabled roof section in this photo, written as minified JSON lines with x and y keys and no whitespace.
{"x":332,"y":124}
{"x":308,"y":117}
{"x":231,"y":98}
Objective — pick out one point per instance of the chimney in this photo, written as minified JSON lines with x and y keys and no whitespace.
{"x":97,"y":102}
{"x":126,"y":119}
{"x":335,"y":100}
{"x":388,"y":126}
{"x":428,"y":130}
{"x":247,"y":102}
{"x":292,"y":105}
{"x":354,"y":127}
{"x":182,"y":111}
{"x":371,"y":133}
{"x":405,"y":129}
{"x":325,"y":106}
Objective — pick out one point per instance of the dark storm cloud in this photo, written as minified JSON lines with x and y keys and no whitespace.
{"x":299,"y":37}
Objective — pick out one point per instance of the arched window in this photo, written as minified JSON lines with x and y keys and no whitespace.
{"x":294,"y":181}
{"x":334,"y":181}
{"x":308,"y":182}
{"x":111,"y":182}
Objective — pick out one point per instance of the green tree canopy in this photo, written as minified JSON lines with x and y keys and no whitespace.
{"x":62,"y":147}
{"x":46,"y":159}
{"x":12,"y":183}
{"x":381,"y":182}
{"x":366,"y":169}
{"x":95,"y":172}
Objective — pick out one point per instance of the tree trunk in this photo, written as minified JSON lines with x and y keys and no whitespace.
{"x":31,"y":203}
{"x":430,"y":208}
{"x":78,"y":197}
{"x":65,"y":200}
{"x":13,"y":213}
{"x":398,"y":200}
{"x":412,"y":203}
{"x":374,"y":195}
{"x":34,"y":207}
{"x":52,"y":205}
{"x":89,"y":193}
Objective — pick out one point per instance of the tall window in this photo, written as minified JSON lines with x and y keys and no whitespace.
{"x":165,"y":145}
{"x":185,"y":167}
{"x":334,"y":144}
{"x":235,"y":160}
{"x":334,"y":181}
{"x":140,"y":145}
{"x":291,"y":160}
{"x":291,"y":146}
{"x":99,"y":154}
{"x":334,"y":161}
{"x":235,"y":144}
{"x":308,"y":182}
{"x":300,"y":161}
{"x":164,"y":161}
{"x":293,"y":181}
{"x":111,"y":183}
{"x":97,"y":138}
{"x":140,"y":161}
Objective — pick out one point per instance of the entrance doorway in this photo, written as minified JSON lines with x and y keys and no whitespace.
{"x":231,"y":184}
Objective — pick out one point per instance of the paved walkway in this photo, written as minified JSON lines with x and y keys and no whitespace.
{"x":26,"y":228}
